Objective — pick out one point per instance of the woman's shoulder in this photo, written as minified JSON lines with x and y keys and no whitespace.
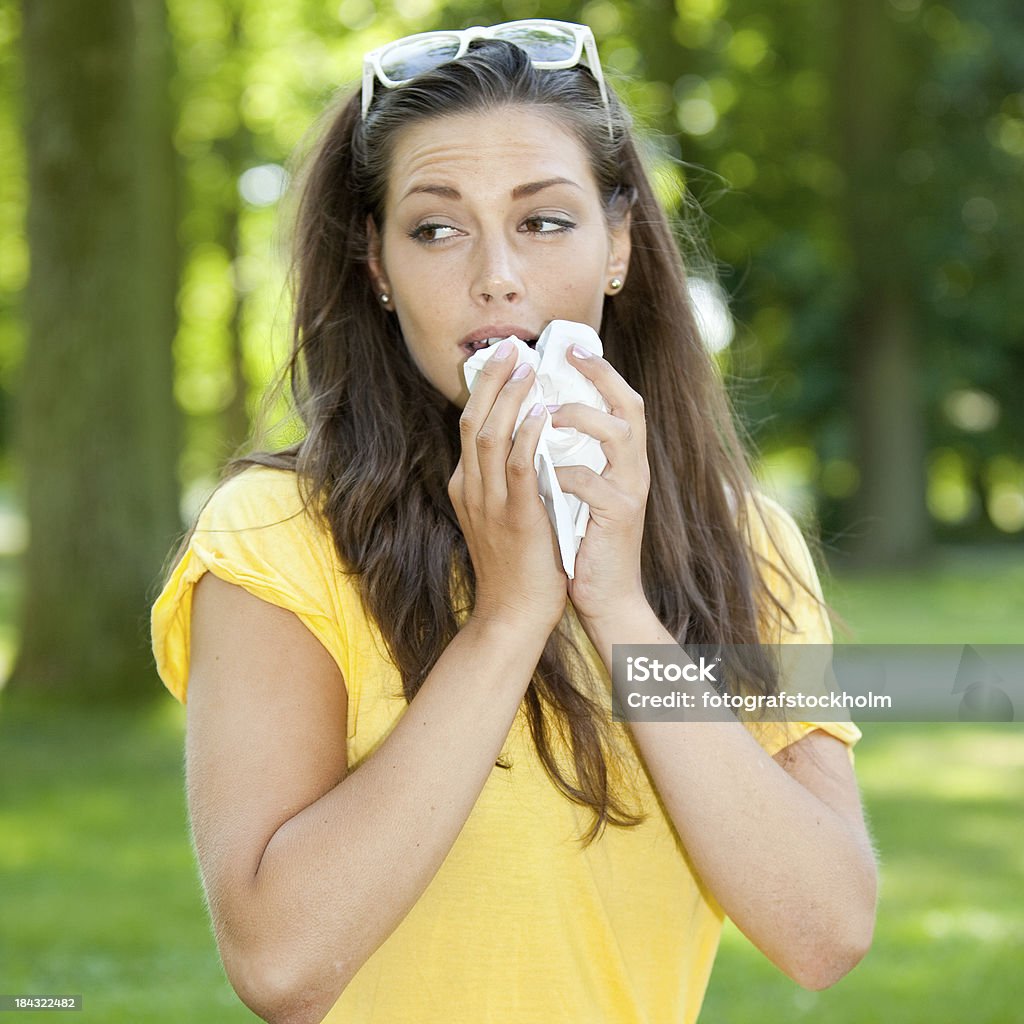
{"x":787,"y":569}
{"x":255,"y":496}
{"x":772,"y":529}
{"x":264,"y":509}
{"x":254,"y":531}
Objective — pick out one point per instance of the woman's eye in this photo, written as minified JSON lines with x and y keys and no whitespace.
{"x":432,"y":233}
{"x":547,"y":225}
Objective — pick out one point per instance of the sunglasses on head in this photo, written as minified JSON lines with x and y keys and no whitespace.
{"x":550,"y":45}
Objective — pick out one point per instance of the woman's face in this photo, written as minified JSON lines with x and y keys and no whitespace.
{"x":493,"y":226}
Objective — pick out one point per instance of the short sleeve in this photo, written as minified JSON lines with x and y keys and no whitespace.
{"x":782,"y":552}
{"x":255,"y":533}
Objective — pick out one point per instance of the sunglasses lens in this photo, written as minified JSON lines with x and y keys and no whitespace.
{"x":541,"y":42}
{"x":547,"y":44}
{"x":408,"y":59}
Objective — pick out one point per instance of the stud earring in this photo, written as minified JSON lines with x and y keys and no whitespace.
{"x":384,"y":298}
{"x":615,"y":283}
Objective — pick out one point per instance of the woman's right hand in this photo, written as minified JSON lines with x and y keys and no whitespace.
{"x":494,"y":490}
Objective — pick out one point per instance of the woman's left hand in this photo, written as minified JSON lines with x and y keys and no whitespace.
{"x":607,"y":577}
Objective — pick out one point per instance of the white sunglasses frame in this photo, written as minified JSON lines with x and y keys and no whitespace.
{"x":584,"y":52}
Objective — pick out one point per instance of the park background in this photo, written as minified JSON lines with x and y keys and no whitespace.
{"x":855,"y":168}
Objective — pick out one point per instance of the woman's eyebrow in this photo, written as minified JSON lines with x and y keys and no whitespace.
{"x":444,"y":191}
{"x":519,"y":192}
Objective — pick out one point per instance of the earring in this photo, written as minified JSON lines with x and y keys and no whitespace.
{"x":615,"y":283}
{"x":384,"y":298}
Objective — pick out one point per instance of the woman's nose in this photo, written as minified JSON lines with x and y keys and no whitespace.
{"x":498,"y":278}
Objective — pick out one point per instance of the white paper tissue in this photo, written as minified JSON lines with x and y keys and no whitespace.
{"x":557,"y":382}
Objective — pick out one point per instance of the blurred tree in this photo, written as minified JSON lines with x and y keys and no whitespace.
{"x":214,"y":60}
{"x":98,"y":425}
{"x":873,"y":89}
{"x":861,"y":182}
{"x":14,"y":264}
{"x":252,"y":80}
{"x":863,"y":189}
{"x":236,"y":152}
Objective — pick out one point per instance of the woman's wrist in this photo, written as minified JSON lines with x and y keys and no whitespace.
{"x":627,"y":622}
{"x":630,"y":620}
{"x":509,"y":624}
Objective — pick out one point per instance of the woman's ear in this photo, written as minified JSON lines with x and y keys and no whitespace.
{"x":375,"y":263}
{"x":619,"y":250}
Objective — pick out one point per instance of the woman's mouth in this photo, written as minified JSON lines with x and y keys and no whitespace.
{"x":475,"y":346}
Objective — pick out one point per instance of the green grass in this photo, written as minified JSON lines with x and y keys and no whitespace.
{"x":944,"y":802}
{"x":945,"y":807}
{"x":966,"y":596}
{"x":99,"y":894}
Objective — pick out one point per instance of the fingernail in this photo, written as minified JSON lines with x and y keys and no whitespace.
{"x":521,"y":371}
{"x":581,"y":353}
{"x":538,"y":409}
{"x":504,"y":350}
{"x":554,"y":408}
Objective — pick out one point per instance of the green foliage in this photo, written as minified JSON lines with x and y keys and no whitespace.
{"x":757,"y":105}
{"x":740,"y":102}
{"x":13,"y":245}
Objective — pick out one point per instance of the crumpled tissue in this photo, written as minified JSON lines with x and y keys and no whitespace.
{"x":557,"y":382}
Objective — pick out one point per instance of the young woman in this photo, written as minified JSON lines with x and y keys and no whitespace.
{"x":409,"y":798}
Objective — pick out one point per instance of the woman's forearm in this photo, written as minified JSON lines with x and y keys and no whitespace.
{"x":795,"y":876}
{"x":337,"y":878}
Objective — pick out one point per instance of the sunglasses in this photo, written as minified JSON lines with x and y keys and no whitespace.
{"x":550,"y":45}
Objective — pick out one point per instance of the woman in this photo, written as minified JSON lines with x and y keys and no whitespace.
{"x":408,"y":798}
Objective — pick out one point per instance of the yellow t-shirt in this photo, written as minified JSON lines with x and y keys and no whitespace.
{"x":520,"y":925}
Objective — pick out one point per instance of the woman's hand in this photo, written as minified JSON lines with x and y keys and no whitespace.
{"x":607,"y":578}
{"x":494,"y":490}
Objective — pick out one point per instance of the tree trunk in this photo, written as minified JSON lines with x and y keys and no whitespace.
{"x":99,"y":429}
{"x":882,"y":346}
{"x":889,"y":419}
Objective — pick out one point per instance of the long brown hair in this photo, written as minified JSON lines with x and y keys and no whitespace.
{"x":381,"y":443}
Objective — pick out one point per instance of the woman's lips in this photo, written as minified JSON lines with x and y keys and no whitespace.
{"x":489,"y":334}
{"x":474,"y":346}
